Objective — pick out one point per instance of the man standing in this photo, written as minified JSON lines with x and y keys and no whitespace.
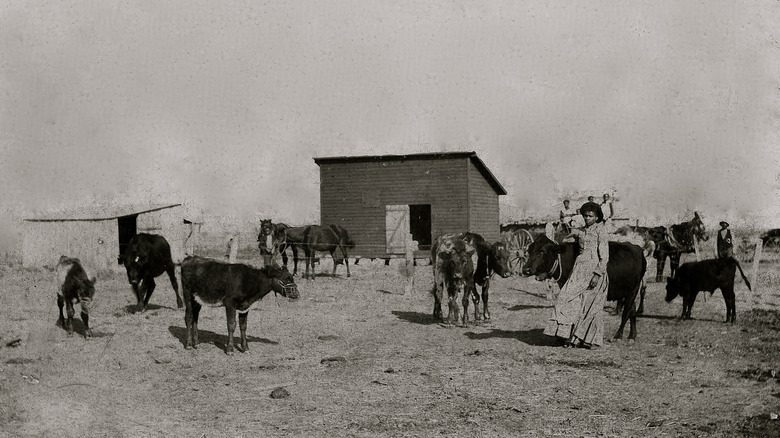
{"x":566,"y":214}
{"x":725,"y":246}
{"x":607,"y":208}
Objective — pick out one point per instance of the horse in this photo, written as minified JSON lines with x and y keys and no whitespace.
{"x":671,"y":242}
{"x":278,"y":237}
{"x":326,"y":238}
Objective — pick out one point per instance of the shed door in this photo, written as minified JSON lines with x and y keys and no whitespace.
{"x":396,"y":228}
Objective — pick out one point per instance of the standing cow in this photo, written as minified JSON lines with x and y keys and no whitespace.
{"x":74,"y":285}
{"x":453,"y":261}
{"x":625,"y":270}
{"x":490,"y":259}
{"x":234,"y":286}
{"x":147,"y":256}
{"x":706,"y":275}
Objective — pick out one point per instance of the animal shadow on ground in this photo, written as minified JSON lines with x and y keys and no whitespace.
{"x":534,"y":337}
{"x":206,"y":336}
{"x":132,"y":308}
{"x":416,"y":317}
{"x":78,"y":327}
{"x":526,"y":306}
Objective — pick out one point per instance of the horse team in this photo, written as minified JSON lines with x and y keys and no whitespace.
{"x":461,"y":262}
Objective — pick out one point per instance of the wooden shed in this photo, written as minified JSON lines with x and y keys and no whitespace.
{"x":98,"y":236}
{"x":381,"y":199}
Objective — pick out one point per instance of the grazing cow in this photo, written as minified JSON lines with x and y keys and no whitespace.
{"x":146,"y":257}
{"x":326,"y":238}
{"x":74,"y":285}
{"x":453,"y":261}
{"x":625,"y":269}
{"x":234,"y":286}
{"x":490,"y":259}
{"x":706,"y":275}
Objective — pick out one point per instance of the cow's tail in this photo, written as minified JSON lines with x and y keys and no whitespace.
{"x":742,"y":274}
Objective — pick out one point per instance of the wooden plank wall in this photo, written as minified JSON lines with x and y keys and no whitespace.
{"x":483,"y":206}
{"x":354,"y":195}
{"x":95,"y":243}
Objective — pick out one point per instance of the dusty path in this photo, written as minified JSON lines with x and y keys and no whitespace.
{"x":402,"y":374}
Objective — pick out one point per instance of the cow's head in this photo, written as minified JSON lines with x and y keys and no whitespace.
{"x":542,"y":255}
{"x":672,"y":289}
{"x":87,"y":292}
{"x":282,"y":281}
{"x":499,"y":259}
{"x":697,"y":226}
{"x":135,"y":263}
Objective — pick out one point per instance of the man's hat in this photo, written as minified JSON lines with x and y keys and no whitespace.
{"x":724,"y":224}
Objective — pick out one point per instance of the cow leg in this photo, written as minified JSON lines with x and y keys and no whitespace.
{"x":60,"y":304}
{"x":188,"y":322}
{"x":195,"y":315}
{"x":242,"y":327}
{"x":138,"y":290}
{"x":688,"y":306}
{"x":70,"y":312}
{"x":172,"y":275}
{"x":85,"y":318}
{"x":452,"y":299}
{"x":333,"y":256}
{"x":230,"y":312}
{"x":149,"y":287}
{"x":437,"y":297}
{"x":674,"y":262}
{"x":731,"y":307}
{"x":660,"y":261}
{"x":465,"y":301}
{"x":642,"y":290}
{"x":485,"y":294}
{"x":283,"y":253}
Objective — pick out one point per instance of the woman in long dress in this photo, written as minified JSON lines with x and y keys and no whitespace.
{"x":578,"y":313}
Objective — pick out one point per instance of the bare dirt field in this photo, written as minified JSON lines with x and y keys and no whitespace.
{"x":358,"y":358}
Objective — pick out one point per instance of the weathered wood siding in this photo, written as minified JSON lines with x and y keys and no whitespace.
{"x":95,"y":243}
{"x":355,"y":194}
{"x":483,"y":205}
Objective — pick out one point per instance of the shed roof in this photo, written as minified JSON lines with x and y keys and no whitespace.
{"x":480,"y":165}
{"x":99,"y":213}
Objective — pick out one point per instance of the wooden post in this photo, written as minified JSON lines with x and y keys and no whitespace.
{"x":409,"y":255}
{"x":756,"y":262}
{"x":233,"y":257}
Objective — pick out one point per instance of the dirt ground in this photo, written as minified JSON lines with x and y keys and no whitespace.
{"x":393,"y":370}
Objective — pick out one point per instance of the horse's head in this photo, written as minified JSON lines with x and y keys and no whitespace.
{"x":697,"y":226}
{"x":265,"y":238}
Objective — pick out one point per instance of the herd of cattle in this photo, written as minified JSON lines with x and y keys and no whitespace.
{"x":461,"y":263}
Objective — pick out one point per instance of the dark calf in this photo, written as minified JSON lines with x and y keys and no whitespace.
{"x":234,"y":286}
{"x":706,"y":275}
{"x":74,"y":286}
{"x":147,"y":256}
{"x":490,"y":259}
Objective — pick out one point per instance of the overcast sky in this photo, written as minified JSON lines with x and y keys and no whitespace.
{"x":676,"y":105}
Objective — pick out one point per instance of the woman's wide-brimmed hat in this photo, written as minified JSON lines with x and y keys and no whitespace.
{"x":592,"y":206}
{"x":724,"y":224}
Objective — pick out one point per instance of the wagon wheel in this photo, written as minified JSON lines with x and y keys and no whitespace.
{"x":522,"y":240}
